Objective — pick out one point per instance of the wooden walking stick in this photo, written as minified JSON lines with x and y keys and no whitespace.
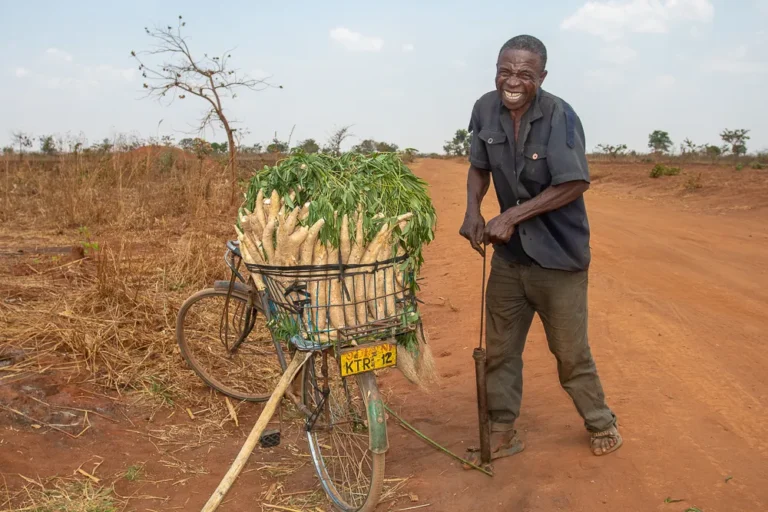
{"x":250,"y":443}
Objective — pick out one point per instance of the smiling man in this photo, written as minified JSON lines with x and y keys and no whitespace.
{"x":532,"y":144}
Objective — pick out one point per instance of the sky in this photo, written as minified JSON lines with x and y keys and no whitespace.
{"x":406,"y":72}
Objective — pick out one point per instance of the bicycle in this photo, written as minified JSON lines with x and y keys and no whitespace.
{"x":344,"y":416}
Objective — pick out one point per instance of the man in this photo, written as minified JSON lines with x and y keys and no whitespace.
{"x":532,"y":144}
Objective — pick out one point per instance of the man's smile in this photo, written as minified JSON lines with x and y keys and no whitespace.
{"x":512,"y":96}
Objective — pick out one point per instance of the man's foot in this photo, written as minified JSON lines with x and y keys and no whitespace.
{"x":503,"y":444}
{"x":605,"y":442}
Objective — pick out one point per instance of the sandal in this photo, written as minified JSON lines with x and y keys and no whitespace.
{"x":506,"y":446}
{"x":594,"y":438}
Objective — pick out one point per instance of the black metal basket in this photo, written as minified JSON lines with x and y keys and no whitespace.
{"x":319,"y":305}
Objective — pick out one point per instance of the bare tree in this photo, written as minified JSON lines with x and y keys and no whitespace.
{"x":333,"y":146}
{"x":614,"y":150}
{"x":23,"y":140}
{"x":210,"y":78}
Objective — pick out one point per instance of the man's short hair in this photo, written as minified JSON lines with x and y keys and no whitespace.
{"x":528,"y":43}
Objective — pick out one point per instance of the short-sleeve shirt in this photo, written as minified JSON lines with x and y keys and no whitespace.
{"x":550,"y":150}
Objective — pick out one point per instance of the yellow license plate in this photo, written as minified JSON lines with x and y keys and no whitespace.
{"x":367,"y":358}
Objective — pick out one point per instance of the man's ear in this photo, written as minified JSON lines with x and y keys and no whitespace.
{"x":543,"y":76}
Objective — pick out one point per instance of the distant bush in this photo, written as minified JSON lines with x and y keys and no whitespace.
{"x":739,"y":167}
{"x":756,"y":165}
{"x":408,"y":155}
{"x":660,"y":170}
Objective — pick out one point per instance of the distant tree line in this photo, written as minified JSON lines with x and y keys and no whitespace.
{"x":51,"y":145}
{"x":660,"y":143}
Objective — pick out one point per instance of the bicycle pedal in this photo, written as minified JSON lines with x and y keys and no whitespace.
{"x":270,"y":438}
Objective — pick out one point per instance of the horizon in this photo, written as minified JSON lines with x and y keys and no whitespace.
{"x":404,"y":74}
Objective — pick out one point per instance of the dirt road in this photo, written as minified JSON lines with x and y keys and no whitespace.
{"x":677,"y":323}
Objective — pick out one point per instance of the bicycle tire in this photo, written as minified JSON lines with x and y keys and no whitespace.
{"x":194,"y":362}
{"x":377,"y":460}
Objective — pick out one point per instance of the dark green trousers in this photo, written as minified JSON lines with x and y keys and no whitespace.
{"x":514,"y":293}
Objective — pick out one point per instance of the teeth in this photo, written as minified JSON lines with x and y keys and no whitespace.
{"x":512,"y":96}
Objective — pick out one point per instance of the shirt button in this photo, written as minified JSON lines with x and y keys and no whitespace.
{"x":490,"y":140}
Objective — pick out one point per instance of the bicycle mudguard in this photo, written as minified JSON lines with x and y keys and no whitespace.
{"x":224,"y":285}
{"x":378,"y":440}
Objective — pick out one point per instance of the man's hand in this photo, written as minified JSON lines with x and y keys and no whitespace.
{"x":499,"y":230}
{"x":472,"y":230}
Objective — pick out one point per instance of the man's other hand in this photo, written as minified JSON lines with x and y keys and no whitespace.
{"x":472,"y":229}
{"x":499,"y":230}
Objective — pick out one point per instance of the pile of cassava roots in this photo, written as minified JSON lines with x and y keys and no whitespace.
{"x":317,"y":209}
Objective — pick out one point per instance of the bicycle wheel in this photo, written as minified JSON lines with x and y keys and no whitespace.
{"x":351,"y":475}
{"x":208,"y":340}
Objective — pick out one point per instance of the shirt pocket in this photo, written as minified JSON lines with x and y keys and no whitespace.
{"x":536,"y":169}
{"x":495,"y":142}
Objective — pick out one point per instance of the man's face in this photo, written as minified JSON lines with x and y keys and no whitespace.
{"x":519,"y":75}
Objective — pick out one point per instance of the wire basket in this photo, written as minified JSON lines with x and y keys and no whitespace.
{"x":315,"y":306}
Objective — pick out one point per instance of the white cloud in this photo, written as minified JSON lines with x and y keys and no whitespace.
{"x":458,"y":64}
{"x":59,"y":54}
{"x":611,"y":19}
{"x":762,"y":6}
{"x":695,"y":32}
{"x":355,"y":41}
{"x":408,"y":47}
{"x":665,"y":81}
{"x":20,"y":72}
{"x":617,"y":54}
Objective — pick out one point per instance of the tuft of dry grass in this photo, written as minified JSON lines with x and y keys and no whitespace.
{"x":63,"y":495}
{"x":693,"y":183}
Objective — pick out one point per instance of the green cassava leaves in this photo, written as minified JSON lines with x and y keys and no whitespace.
{"x":336,"y":185}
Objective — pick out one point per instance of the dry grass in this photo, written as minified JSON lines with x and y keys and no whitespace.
{"x":112,"y":245}
{"x":151,"y":226}
{"x":147,"y":231}
{"x":62,"y":495}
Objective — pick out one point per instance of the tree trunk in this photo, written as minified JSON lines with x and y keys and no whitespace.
{"x":232,"y":154}
{"x":232,"y":164}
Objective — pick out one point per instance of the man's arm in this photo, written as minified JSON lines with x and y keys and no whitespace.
{"x":478,"y":181}
{"x":501,"y":228}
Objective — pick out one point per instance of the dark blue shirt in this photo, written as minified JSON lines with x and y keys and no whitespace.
{"x":550,"y":151}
